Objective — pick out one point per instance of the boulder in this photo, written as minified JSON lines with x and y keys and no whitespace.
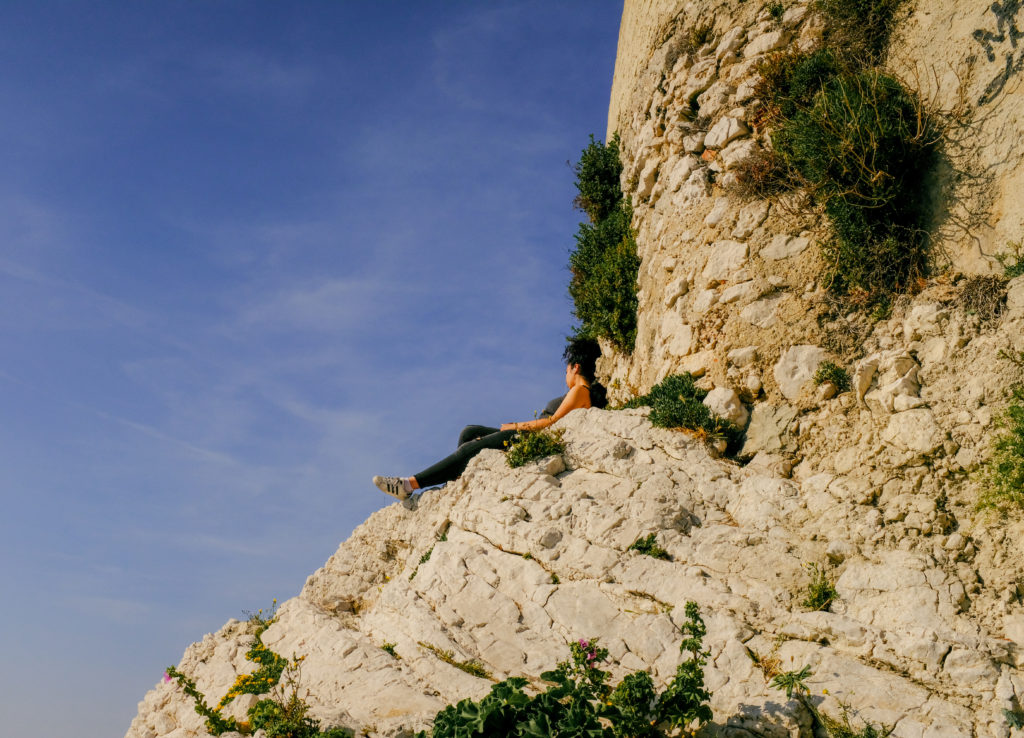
{"x":796,"y":368}
{"x":725,"y":403}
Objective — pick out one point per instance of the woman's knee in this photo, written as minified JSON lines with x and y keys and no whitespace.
{"x":474,"y":432}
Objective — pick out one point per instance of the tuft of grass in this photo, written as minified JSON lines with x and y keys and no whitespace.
{"x":529,"y":446}
{"x":821,"y":590}
{"x":776,"y":10}
{"x":389,"y":648}
{"x":555,"y":579}
{"x":831,"y":372}
{"x":1002,"y":475}
{"x":676,"y":402}
{"x":984,"y":296}
{"x":471,"y":667}
{"x":648,"y":546}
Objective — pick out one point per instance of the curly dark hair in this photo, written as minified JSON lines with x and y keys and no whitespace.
{"x":586,"y":352}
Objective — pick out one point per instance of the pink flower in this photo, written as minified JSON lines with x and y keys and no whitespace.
{"x":167,"y":677}
{"x":583,"y":643}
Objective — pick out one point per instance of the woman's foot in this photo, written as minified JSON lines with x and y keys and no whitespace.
{"x":394,"y":486}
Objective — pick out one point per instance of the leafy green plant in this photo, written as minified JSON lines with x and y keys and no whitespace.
{"x":793,"y":682}
{"x":1002,"y":475}
{"x":578,"y":700}
{"x":529,"y":446}
{"x":676,"y":402}
{"x":605,"y":263}
{"x":821,"y":590}
{"x":648,"y":546}
{"x":471,"y":666}
{"x":776,"y":10}
{"x":426,"y":557}
{"x":829,"y":371}
{"x":389,"y":648}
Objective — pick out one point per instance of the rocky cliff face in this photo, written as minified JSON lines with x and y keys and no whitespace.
{"x":927,"y":632}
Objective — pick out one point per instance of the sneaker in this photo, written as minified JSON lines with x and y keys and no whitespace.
{"x":393,"y":486}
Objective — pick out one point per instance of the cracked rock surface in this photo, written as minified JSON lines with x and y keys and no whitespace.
{"x":523,"y":561}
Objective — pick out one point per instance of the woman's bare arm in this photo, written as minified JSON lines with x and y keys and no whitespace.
{"x":577,"y":397}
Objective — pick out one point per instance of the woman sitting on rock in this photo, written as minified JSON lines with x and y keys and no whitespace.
{"x":584,"y":391}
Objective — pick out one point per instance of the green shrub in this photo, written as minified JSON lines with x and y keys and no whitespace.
{"x":864,"y":147}
{"x":859,"y":142}
{"x":776,"y":10}
{"x":676,"y":402}
{"x":597,"y":179}
{"x":794,"y":684}
{"x":831,"y":372}
{"x":578,"y":700}
{"x":604,"y":264}
{"x":527,"y":446}
{"x":791,"y":79}
{"x":649,"y":547}
{"x":821,"y":590}
{"x":1002,"y":475}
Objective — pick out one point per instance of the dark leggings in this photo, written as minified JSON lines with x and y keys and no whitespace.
{"x":472,"y":440}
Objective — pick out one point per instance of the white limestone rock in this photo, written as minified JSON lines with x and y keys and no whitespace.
{"x":724,"y":131}
{"x":795,"y":369}
{"x":751,"y":216}
{"x":725,"y":403}
{"x":785,"y":247}
{"x":726,"y":258}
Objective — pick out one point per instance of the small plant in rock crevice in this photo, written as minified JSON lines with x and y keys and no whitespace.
{"x":648,"y":546}
{"x":529,"y":446}
{"x":470,"y":666}
{"x":821,"y":590}
{"x":829,"y":371}
{"x":794,"y":684}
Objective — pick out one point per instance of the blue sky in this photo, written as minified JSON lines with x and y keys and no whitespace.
{"x":253,"y":253}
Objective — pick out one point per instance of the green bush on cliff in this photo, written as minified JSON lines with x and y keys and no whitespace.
{"x":859,"y":142}
{"x":578,"y":700}
{"x":676,"y":402}
{"x":1002,"y":475}
{"x":604,"y":264}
